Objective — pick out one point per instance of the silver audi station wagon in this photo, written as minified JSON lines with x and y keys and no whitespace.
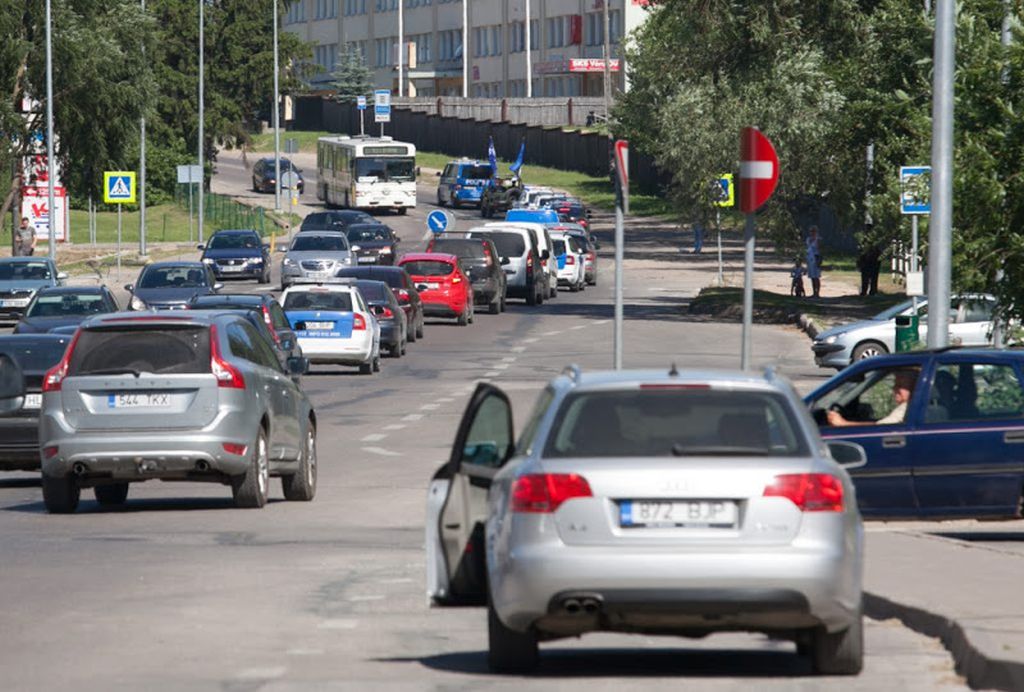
{"x":196,"y":396}
{"x":671,"y":503}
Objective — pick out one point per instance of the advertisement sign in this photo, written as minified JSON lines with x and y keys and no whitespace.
{"x":34,"y":205}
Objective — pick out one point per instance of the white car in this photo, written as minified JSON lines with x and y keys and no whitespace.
{"x":570,"y":259}
{"x":334,"y":325}
{"x":543,"y":247}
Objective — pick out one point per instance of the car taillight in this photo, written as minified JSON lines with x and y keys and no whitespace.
{"x":50,"y":452}
{"x":358,"y":322}
{"x":569,"y":259}
{"x":236,"y":448}
{"x":270,"y":325}
{"x":811,"y":492}
{"x":487,"y":256}
{"x":402,"y":295}
{"x":384,"y":311}
{"x":456,"y":279}
{"x":55,"y":375}
{"x":542,"y":493}
{"x":227,"y":375}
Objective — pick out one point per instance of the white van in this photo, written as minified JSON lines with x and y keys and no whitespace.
{"x":543,"y":246}
{"x":524,"y":273}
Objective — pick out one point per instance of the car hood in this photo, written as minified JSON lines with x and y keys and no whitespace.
{"x":25,"y":285}
{"x":40,"y":325}
{"x":230,"y":253}
{"x":855,"y":326}
{"x":170,"y":295}
{"x":318,"y":255}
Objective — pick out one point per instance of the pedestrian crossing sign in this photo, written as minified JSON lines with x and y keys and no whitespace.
{"x":119,"y":187}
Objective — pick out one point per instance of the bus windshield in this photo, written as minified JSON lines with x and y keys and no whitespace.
{"x":385,"y":169}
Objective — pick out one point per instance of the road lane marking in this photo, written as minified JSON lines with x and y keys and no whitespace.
{"x":413,"y":417}
{"x":579,"y":326}
{"x":554,"y":333}
{"x":445,"y":400}
{"x":429,"y":407}
{"x":338,"y":624}
{"x":375,"y":437}
{"x":492,"y":373}
{"x":509,"y":359}
{"x":602,"y":322}
{"x":368,"y":597}
{"x":518,"y":349}
{"x":261,"y":673}
{"x":502,"y":366}
{"x":381,"y":451}
{"x":531,"y":341}
{"x":394,"y":426}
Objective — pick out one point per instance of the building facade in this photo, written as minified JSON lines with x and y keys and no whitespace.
{"x":566,"y":43}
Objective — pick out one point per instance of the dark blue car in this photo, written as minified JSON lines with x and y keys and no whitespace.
{"x":943,"y":431}
{"x":237,"y":255}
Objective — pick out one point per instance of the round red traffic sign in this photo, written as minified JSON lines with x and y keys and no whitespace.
{"x":759,"y":169}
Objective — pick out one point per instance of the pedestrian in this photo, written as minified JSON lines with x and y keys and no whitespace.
{"x":869,"y":262}
{"x":25,"y":239}
{"x":814,"y":260}
{"x":796,"y":288}
{"x":698,"y":237}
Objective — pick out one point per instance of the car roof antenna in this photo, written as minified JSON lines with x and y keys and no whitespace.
{"x":673,"y":371}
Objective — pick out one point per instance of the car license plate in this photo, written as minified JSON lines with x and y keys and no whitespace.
{"x":14,"y":303}
{"x":32,"y":401}
{"x":319,"y":326}
{"x":139,"y":400}
{"x":433,"y":287}
{"x":367,"y":259}
{"x":710,"y":514}
{"x":232,"y":268}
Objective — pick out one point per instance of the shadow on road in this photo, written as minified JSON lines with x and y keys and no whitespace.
{"x":88,"y":506}
{"x":984,"y":536}
{"x":596,"y":663}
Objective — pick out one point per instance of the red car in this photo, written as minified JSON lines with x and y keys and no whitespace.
{"x":444,"y":288}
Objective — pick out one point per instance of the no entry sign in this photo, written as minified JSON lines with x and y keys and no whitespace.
{"x":759,"y":169}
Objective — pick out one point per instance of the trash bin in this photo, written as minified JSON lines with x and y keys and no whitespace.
{"x":907,"y":334}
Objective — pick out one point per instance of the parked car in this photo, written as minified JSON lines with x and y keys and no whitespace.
{"x":334,"y":325}
{"x":463,"y":182}
{"x":263,"y":174}
{"x":394,"y":325}
{"x":237,"y":255}
{"x":525,"y":277}
{"x":531,"y":193}
{"x":443,"y":285}
{"x":170,"y":285}
{"x":20,"y":278}
{"x":269,"y":319}
{"x":569,"y":257}
{"x":402,"y":285}
{"x":24,"y":360}
{"x":480,"y":260}
{"x":942,"y":431}
{"x":64,"y":306}
{"x":372,"y":243}
{"x":970,"y":324}
{"x":191,"y":396}
{"x":315,"y":255}
{"x":653,"y":503}
{"x":334,"y":219}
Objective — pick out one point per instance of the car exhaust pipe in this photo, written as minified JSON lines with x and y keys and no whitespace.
{"x":202,"y":466}
{"x":572,"y":606}
{"x":591,"y":606}
{"x":79,"y":469}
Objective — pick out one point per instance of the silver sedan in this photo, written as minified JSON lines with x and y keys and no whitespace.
{"x":650,"y":502}
{"x":315,"y":255}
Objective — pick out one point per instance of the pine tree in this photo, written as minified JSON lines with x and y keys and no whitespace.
{"x":351,"y":77}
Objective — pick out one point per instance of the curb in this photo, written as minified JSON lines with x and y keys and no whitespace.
{"x":981,"y":670}
{"x":808,"y":325}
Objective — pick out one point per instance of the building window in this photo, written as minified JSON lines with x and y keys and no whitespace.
{"x":496,"y":39}
{"x":296,"y":13}
{"x":326,"y":9}
{"x":534,"y":34}
{"x":354,"y":7}
{"x":423,"y":49}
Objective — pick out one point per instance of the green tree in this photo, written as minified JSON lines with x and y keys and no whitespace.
{"x":351,"y":77}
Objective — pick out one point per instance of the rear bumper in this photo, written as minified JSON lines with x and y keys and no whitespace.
{"x":443,"y":309}
{"x":485,"y":290}
{"x":249,"y":272}
{"x":340,"y":351}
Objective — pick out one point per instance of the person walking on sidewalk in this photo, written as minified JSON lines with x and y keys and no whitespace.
{"x":870,"y":264}
{"x":814,"y":260}
{"x":25,"y":239}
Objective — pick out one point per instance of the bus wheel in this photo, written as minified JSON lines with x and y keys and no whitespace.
{"x":403,"y":210}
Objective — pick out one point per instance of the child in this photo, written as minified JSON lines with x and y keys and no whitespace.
{"x":797,"y":287}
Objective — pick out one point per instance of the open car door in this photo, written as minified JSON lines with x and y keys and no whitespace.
{"x":457,"y":500}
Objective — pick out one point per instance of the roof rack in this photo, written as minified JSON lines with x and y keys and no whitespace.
{"x":573,"y":372}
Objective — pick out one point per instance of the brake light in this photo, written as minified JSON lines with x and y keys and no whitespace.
{"x":402,"y":295}
{"x":487,"y":256}
{"x":270,"y":325}
{"x":228,"y":376}
{"x":55,"y":375}
{"x":569,"y":259}
{"x":358,"y":322}
{"x":529,"y":261}
{"x":811,"y":492}
{"x":385,"y":312}
{"x":235,"y":448}
{"x":543,"y":493}
{"x":50,"y":452}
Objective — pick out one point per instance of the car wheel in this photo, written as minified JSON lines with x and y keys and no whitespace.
{"x":412,"y":336}
{"x":301,"y":486}
{"x":509,"y":651}
{"x":531,"y":297}
{"x":366,"y":368}
{"x":868,"y":349}
{"x":250,"y":489}
{"x":60,"y":495}
{"x":504,"y":299}
{"x":553,"y":290}
{"x":419,"y":330}
{"x":113,"y":494}
{"x":402,"y":347}
{"x":255,"y":187}
{"x":402,"y":211}
{"x":376,"y":363}
{"x":464,"y":317}
{"x":495,"y":306}
{"x":265,"y":277}
{"x":574,"y":288}
{"x":839,"y":653}
{"x":440,"y":201}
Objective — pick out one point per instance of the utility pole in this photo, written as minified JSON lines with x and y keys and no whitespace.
{"x":465,"y":50}
{"x":940,"y":231}
{"x":202,"y":168}
{"x":277,"y":121}
{"x":401,"y":48}
{"x":142,"y":168}
{"x":529,"y":54}
{"x":50,"y":170}
{"x":607,"y":69}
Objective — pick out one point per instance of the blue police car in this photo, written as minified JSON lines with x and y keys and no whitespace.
{"x":463,"y":182}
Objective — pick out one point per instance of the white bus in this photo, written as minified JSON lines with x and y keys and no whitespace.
{"x":366,"y":173}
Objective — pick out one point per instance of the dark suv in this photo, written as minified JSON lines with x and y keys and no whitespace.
{"x":237,"y":255}
{"x":402,"y":285}
{"x":372,"y":243}
{"x":483,"y":265}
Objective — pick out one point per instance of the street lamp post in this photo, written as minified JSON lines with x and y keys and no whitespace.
{"x":51,"y":211}
{"x":940,"y":231}
{"x":142,"y":167}
{"x":277,"y":121}
{"x":202,"y":168}
{"x":401,"y":47}
{"x":465,"y":48}
{"x":529,"y":54}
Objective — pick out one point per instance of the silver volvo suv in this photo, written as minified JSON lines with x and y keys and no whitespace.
{"x":179,"y":397}
{"x":665,"y":503}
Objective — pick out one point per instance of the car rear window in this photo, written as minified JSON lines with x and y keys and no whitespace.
{"x":319,"y":243}
{"x":472,"y":249}
{"x":428,"y":268}
{"x":161,"y":350}
{"x":67,"y":305}
{"x":372,"y":290}
{"x":24,"y":271}
{"x":317,"y":300}
{"x":476,"y":172}
{"x":36,"y":355}
{"x":508,"y":244}
{"x":675,"y":422}
{"x":559,"y":247}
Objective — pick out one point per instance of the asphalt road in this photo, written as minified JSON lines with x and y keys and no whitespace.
{"x":179,"y":590}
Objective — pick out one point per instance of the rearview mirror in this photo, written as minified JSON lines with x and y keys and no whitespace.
{"x":438,"y":174}
{"x":298,"y":365}
{"x":200,"y":247}
{"x":545,"y":255}
{"x":849,"y":455}
{"x":130,"y":288}
{"x":217,"y":287}
{"x":287,"y":344}
{"x":61,"y":276}
{"x":356,"y":248}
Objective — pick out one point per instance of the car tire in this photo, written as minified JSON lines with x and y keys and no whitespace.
{"x":574,"y":288}
{"x":60,"y":495}
{"x":839,"y":653}
{"x":402,"y":211}
{"x":301,"y":486}
{"x":463,"y":319}
{"x":553,"y":290}
{"x":495,"y":306}
{"x":411,"y":336}
{"x":366,"y":368}
{"x":867,"y":349}
{"x":402,"y":347}
{"x":113,"y":494}
{"x":531,"y":297}
{"x":419,"y":330}
{"x":265,"y":277}
{"x":504,"y":301}
{"x":440,"y":202}
{"x":376,"y":363}
{"x":250,"y":489}
{"x":509,"y":651}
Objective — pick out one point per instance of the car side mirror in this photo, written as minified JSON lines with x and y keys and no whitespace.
{"x":217,"y":287}
{"x":266,"y":246}
{"x":200,"y":247}
{"x":130,"y":288}
{"x":398,"y":239}
{"x":287,"y":344}
{"x":505,"y":261}
{"x":355,"y":248}
{"x":849,"y":455}
{"x":297,"y":365}
{"x":545,"y":255}
{"x":61,"y":276}
{"x":438,"y":174}
{"x":482,"y":454}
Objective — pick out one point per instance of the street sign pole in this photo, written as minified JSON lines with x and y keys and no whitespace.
{"x":940,"y":228}
{"x":718,"y":230}
{"x":748,"y":289}
{"x":118,"y":243}
{"x":51,"y":212}
{"x":142,"y":168}
{"x":621,"y":206}
{"x":913,"y":254}
{"x":202,"y":42}
{"x":277,"y":121}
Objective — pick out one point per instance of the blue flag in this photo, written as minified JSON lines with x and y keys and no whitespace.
{"x":519,"y":159}
{"x":492,"y":156}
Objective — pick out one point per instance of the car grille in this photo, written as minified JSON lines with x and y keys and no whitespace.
{"x":230,"y":262}
{"x":316,"y":265}
{"x":16,"y":293}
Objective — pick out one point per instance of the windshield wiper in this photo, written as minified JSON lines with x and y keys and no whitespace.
{"x":681,"y":450}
